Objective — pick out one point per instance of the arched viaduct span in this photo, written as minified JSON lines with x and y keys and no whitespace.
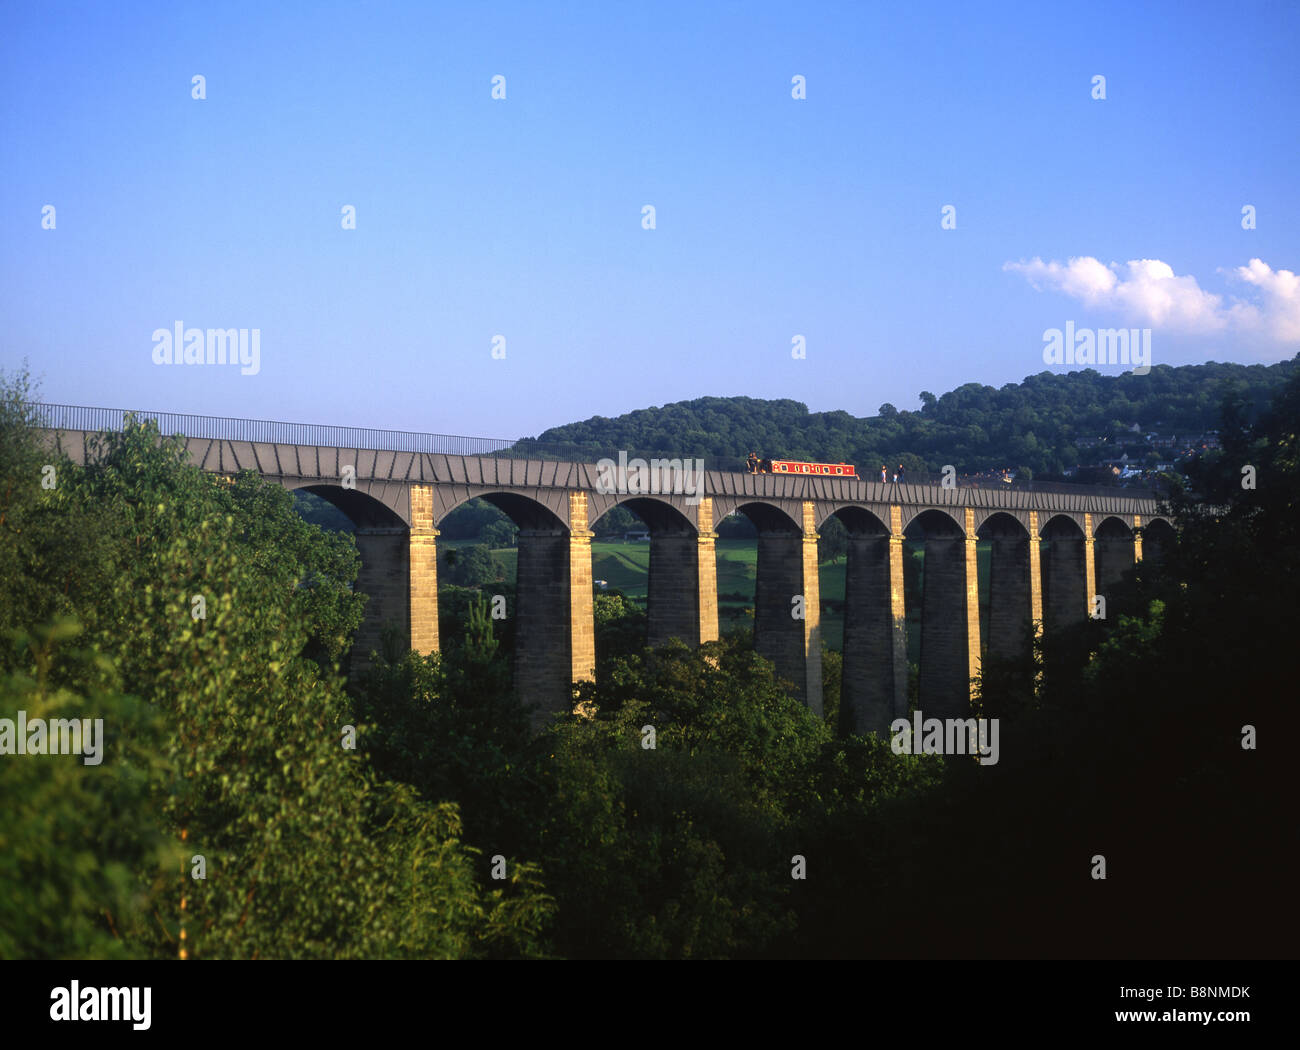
{"x":397,"y":499}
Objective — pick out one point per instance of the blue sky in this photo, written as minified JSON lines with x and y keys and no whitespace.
{"x":775,"y":217}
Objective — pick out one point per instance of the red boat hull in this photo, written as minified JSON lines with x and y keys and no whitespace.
{"x":790,"y":466}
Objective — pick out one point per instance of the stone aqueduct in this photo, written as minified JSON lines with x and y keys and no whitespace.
{"x":398,"y":498}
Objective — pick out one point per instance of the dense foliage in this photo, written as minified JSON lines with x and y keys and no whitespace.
{"x":1047,"y":423}
{"x":199,"y":619}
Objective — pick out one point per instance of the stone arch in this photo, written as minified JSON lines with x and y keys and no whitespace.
{"x":1002,"y":522}
{"x":383,"y":541}
{"x":552,"y":610}
{"x":1115,"y":551}
{"x":945,"y":627}
{"x":941,"y":520}
{"x":854,"y":516}
{"x":1059,"y":523}
{"x":1064,"y":565}
{"x":786,"y":583}
{"x":681,"y":589}
{"x":364,"y":510}
{"x":1010,"y":598}
{"x":875,"y":629}
{"x":770,"y":518}
{"x":1110,"y":525}
{"x":659,"y":515}
{"x":524,"y":511}
{"x":859,"y":520}
{"x":1158,"y":539}
{"x":983,"y":514}
{"x":932,"y":521}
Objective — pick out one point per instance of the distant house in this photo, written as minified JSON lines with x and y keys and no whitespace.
{"x":637,"y":536}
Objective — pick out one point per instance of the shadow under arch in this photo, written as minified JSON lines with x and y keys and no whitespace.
{"x":383,"y":542}
{"x":931,"y":520}
{"x":1158,"y":539}
{"x":1114,"y":551}
{"x":660,"y":517}
{"x":681,"y":577}
{"x":770,"y":519}
{"x":554,"y":635}
{"x":859,"y":521}
{"x":1008,"y":628}
{"x":525,"y":512}
{"x":360,"y":508}
{"x":1065,"y":577}
{"x":944,"y":685}
{"x":787,"y":601}
{"x":874,"y":671}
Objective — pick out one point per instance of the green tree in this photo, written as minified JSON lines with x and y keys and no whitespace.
{"x":82,"y":849}
{"x":679,"y":850}
{"x":832,"y":540}
{"x":309,"y":851}
{"x":472,"y":566}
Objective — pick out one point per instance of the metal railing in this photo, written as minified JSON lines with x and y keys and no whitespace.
{"x":1027,"y":485}
{"x":266,"y":431}
{"x":228,"y":428}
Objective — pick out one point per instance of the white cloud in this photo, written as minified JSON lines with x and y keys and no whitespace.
{"x":1279,"y":316}
{"x":1155,"y":294}
{"x":1084,"y":279}
{"x":1149,"y":293}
